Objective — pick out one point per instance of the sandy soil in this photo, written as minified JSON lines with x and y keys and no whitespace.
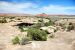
{"x":63,"y":40}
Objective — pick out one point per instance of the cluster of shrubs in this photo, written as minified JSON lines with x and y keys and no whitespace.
{"x":22,"y":28}
{"x":49,"y":23}
{"x":67,"y":26}
{"x":11,"y":17}
{"x":33,"y":34}
{"x":37,"y":34}
{"x":15,"y":40}
{"x":21,"y":41}
{"x":70,"y":27}
{"x":3,"y":20}
{"x":37,"y":25}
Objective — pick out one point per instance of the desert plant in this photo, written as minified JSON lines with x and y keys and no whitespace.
{"x":52,"y":36}
{"x":24,"y":40}
{"x":40,"y":20}
{"x":11,"y":17}
{"x":49,"y":23}
{"x":15,"y":40}
{"x":3,"y":20}
{"x":47,"y":32}
{"x":38,"y":25}
{"x":70,"y":23}
{"x":23,"y":28}
{"x":18,"y":19}
{"x":70,"y":27}
{"x":37,"y":34}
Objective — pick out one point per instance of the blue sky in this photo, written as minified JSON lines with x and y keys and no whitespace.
{"x":38,"y":6}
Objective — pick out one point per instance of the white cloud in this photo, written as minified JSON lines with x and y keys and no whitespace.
{"x":15,"y":7}
{"x":7,"y":7}
{"x":57,"y":9}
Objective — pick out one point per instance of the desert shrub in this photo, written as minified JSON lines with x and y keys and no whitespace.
{"x":55,"y":30}
{"x":70,"y":23}
{"x":11,"y":17}
{"x":63,"y":26}
{"x":49,"y":23}
{"x":24,"y":40}
{"x":38,"y":25}
{"x":40,"y":20}
{"x":18,"y":19}
{"x":3,"y":20}
{"x":15,"y":40}
{"x":47,"y":32}
{"x":23,"y":28}
{"x":52,"y":36}
{"x":60,"y":24}
{"x":37,"y":34}
{"x":70,"y":27}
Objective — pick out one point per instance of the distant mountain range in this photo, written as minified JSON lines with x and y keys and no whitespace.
{"x":14,"y":14}
{"x":43,"y":14}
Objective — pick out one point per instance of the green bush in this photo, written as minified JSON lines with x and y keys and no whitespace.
{"x":11,"y":17}
{"x":70,"y":27}
{"x":23,"y":28}
{"x":49,"y":23}
{"x":15,"y":40}
{"x":40,"y":20}
{"x":37,"y":26}
{"x":70,"y":23}
{"x":36,"y":34}
{"x":47,"y":32}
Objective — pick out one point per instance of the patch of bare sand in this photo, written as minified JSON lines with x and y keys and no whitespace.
{"x":39,"y":45}
{"x":67,"y":37}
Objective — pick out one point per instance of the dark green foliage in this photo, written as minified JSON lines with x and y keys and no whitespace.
{"x":15,"y":40}
{"x":38,"y":25}
{"x":49,"y":23}
{"x":40,"y":20}
{"x":70,"y":27}
{"x":3,"y":20}
{"x":36,"y":34}
{"x":11,"y":17}
{"x":18,"y":19}
{"x":70,"y":23}
{"x":47,"y":32}
{"x":22,"y":26}
{"x":55,"y":30}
